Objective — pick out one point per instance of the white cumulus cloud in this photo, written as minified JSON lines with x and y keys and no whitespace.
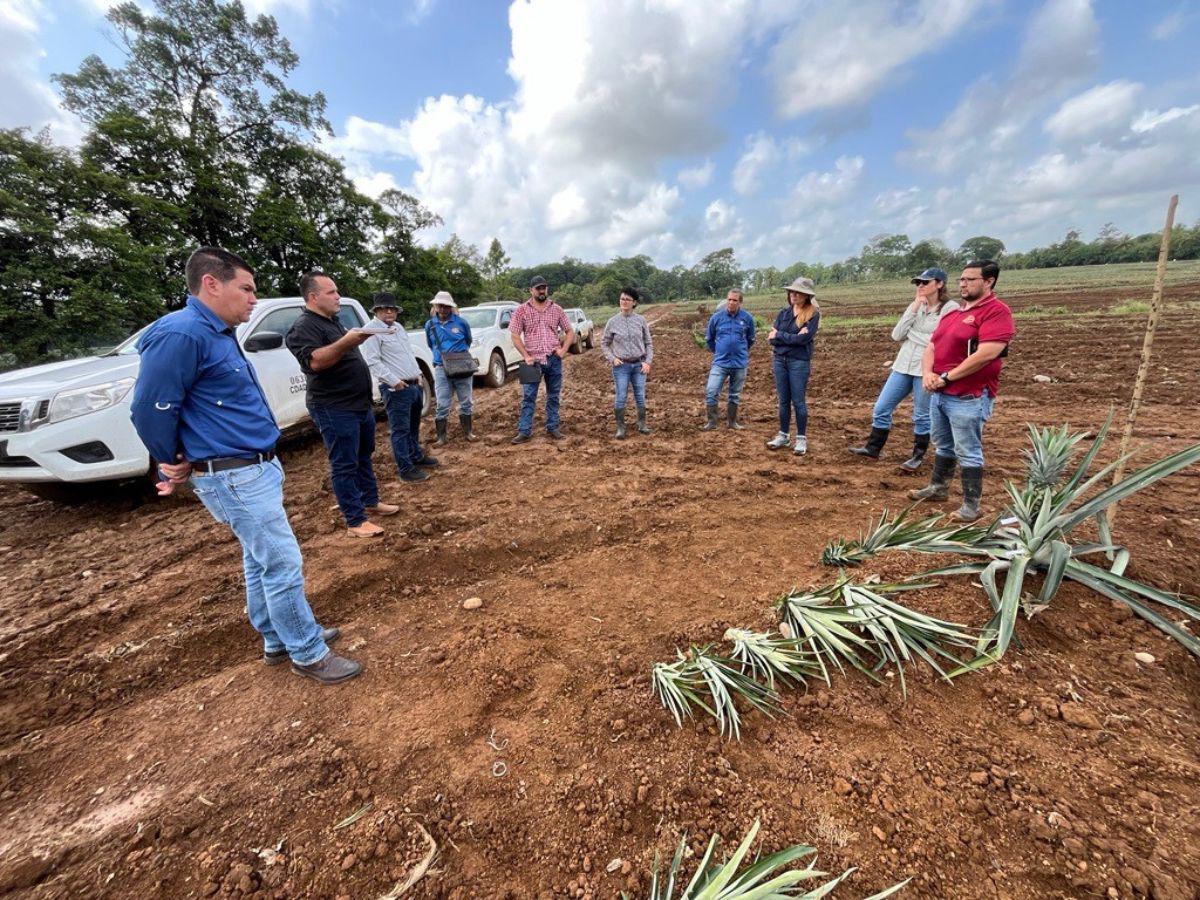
{"x":1098,"y":111}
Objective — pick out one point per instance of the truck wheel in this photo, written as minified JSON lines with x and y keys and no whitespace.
{"x":577,"y":347}
{"x":427,"y":397}
{"x":497,"y":371}
{"x":588,"y":342}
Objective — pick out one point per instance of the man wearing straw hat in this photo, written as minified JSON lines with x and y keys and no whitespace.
{"x":448,"y":332}
{"x":393,"y":365}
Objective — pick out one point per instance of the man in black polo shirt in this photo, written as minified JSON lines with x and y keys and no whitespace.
{"x":339,"y":401}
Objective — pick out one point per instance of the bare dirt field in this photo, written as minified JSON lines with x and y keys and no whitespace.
{"x":146,"y":751}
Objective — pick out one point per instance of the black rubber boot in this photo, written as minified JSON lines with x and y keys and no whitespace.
{"x":619,"y":414}
{"x":440,"y":425}
{"x":642,"y":427}
{"x":939,"y":485}
{"x":731,"y":411}
{"x":874,"y":443}
{"x":920,"y":445}
{"x":465,"y":423}
{"x":711,"y":424}
{"x":972,"y":485}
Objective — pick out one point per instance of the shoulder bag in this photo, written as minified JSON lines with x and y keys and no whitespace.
{"x":457,"y":363}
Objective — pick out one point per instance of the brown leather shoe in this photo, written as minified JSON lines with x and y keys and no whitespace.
{"x":383,"y":509}
{"x":367,"y":529}
{"x":331,"y":669}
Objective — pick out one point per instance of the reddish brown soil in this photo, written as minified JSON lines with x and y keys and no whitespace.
{"x":146,"y":751}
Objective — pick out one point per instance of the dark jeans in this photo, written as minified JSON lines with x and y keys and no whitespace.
{"x":350,"y":440}
{"x":404,"y":417}
{"x":553,"y":376}
{"x":791,"y":383}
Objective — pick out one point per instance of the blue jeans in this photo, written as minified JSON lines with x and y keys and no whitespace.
{"x":445,"y":388}
{"x":716,"y":379}
{"x":627,"y":374}
{"x":895,"y":389}
{"x":791,"y":382}
{"x":552,"y":375}
{"x":350,"y":440}
{"x":250,"y":501}
{"x":957,"y":427}
{"x":404,"y":417}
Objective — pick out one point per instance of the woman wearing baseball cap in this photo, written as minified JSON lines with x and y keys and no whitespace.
{"x":914,"y":329}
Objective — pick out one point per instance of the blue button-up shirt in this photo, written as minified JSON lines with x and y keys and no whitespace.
{"x":730,"y":338}
{"x":196,"y":394}
{"x":454,"y":335}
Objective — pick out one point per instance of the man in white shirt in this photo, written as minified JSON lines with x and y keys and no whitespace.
{"x":393,"y":365}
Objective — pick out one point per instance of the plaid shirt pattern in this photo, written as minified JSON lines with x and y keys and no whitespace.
{"x":539,"y":330}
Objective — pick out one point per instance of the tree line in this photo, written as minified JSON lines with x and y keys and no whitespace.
{"x":196,"y":138}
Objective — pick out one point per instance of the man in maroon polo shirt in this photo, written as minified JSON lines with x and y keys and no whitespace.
{"x":962,"y":374}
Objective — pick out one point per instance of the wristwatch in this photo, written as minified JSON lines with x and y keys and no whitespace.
{"x":945,"y":376}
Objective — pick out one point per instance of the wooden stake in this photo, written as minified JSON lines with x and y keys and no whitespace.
{"x":1139,"y":384}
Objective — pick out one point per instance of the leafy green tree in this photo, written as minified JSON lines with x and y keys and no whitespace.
{"x":928,"y":253}
{"x":981,"y":247}
{"x":496,"y":262}
{"x":717,"y":272}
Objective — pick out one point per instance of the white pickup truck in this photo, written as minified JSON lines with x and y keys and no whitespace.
{"x":67,"y":422}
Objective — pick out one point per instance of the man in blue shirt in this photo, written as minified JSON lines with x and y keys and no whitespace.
{"x":200,"y":411}
{"x":730,"y":337}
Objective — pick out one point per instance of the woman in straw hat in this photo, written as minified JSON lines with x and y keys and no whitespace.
{"x":791,"y":338}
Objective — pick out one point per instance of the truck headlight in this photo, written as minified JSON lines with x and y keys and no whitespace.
{"x":80,"y":401}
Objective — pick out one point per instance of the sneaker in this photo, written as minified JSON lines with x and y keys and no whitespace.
{"x":801,"y":445}
{"x":330,"y":669}
{"x":521,"y":438}
{"x":779,"y":441}
{"x":383,"y":509}
{"x":413,"y":475}
{"x":275,"y":657}
{"x":367,"y":529}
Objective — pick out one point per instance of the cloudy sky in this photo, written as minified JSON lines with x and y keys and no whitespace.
{"x":787,"y":129}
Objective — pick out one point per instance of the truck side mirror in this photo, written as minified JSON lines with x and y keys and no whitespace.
{"x":264,"y":340}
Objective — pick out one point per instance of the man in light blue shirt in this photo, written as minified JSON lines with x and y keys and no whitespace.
{"x":199,"y":409}
{"x":730,"y":336}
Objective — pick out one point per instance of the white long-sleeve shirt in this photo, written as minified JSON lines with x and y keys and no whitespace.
{"x":390,"y":357}
{"x":915,"y":329}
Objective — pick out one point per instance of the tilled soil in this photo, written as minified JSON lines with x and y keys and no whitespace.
{"x":145,"y":750}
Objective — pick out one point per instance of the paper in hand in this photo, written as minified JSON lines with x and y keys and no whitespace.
{"x":376,"y":327}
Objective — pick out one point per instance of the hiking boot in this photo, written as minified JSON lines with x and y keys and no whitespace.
{"x":521,"y":438}
{"x":619,"y":415}
{"x":383,"y":509}
{"x":642,"y":427}
{"x":330,"y":669}
{"x":427,"y":462}
{"x":731,"y":411}
{"x":367,"y":529}
{"x":468,"y":433}
{"x":414,"y":475}
{"x":711,"y":424}
{"x":920,"y":445}
{"x":874,"y":443}
{"x":778,"y":442}
{"x":972,"y":488}
{"x":275,"y":657}
{"x":801,"y":445}
{"x":440,"y":426}
{"x":554,"y":434}
{"x":939,"y":485}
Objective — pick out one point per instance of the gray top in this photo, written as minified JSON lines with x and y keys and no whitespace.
{"x":915,"y":329}
{"x":627,"y":337}
{"x":390,"y":357}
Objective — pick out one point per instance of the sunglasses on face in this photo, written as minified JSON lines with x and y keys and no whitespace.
{"x":922,"y":283}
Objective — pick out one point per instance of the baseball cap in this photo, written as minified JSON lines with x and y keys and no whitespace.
{"x":933,"y":273}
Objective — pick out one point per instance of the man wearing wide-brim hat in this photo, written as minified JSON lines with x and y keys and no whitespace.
{"x":448,"y":332}
{"x":394,"y":367}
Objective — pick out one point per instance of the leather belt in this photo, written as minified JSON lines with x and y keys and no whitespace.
{"x":222,"y":464}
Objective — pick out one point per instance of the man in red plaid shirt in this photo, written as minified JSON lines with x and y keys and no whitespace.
{"x":535,"y":328}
